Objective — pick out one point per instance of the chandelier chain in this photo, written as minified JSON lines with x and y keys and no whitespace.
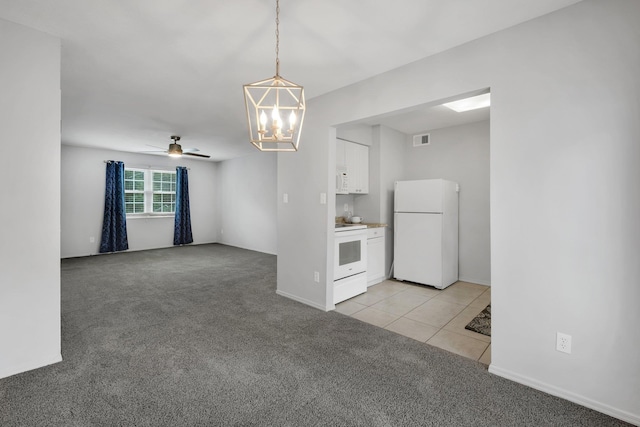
{"x":277,"y":37}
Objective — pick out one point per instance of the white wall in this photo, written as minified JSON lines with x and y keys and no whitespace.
{"x":564,"y":199}
{"x":343,"y":200}
{"x":82,"y":207}
{"x":461,"y":154}
{"x":392,"y":168}
{"x":386,"y":166}
{"x":304,"y":246}
{"x":359,"y":133}
{"x":458,"y":153}
{"x":30,"y":194}
{"x":247,"y":202}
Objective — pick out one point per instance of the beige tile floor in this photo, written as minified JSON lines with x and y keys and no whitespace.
{"x":436,"y":317}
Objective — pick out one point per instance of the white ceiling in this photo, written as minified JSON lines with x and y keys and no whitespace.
{"x":135,"y":72}
{"x":426,"y":118}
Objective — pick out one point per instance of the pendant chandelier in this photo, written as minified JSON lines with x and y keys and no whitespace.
{"x":275,"y":108}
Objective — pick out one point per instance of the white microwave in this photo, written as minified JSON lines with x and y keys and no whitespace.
{"x":342,"y":182}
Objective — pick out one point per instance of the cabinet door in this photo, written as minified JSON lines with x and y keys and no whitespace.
{"x":357,"y":163}
{"x":351,"y":162}
{"x":375,"y":261}
{"x":363,"y":169}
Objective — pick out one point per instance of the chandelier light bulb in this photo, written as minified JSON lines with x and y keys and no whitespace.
{"x":263,"y":120}
{"x":275,"y":116}
{"x":292,"y":120}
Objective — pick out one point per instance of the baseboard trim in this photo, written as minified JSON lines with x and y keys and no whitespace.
{"x":134,"y":250}
{"x":567,"y":395}
{"x":248,"y":248}
{"x":478,"y":282}
{"x":376,"y":280}
{"x":29,"y":366}
{"x":302,"y":300}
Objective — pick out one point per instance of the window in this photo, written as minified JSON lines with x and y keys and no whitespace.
{"x":134,"y":191}
{"x":164,"y":192}
{"x":149,"y":191}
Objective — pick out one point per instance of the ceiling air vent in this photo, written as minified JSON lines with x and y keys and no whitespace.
{"x":421,"y":140}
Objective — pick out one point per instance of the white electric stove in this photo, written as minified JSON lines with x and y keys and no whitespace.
{"x":350,"y":261}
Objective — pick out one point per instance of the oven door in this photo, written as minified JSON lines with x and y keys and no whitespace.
{"x":350,"y":253}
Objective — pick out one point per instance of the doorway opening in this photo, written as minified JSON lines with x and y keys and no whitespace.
{"x":453,"y":146}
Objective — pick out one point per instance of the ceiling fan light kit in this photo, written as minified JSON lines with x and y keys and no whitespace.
{"x":175,"y":150}
{"x":275,"y":108}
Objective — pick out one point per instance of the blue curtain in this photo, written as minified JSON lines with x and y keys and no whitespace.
{"x":182,"y":225}
{"x":114,"y":224}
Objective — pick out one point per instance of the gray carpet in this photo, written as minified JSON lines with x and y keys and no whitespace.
{"x":197,"y":336}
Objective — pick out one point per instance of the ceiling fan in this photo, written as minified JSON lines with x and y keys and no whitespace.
{"x":176,"y":150}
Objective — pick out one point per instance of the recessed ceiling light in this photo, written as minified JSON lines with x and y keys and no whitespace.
{"x":473,"y":103}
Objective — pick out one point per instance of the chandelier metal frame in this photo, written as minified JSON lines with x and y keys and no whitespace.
{"x":266,"y":101}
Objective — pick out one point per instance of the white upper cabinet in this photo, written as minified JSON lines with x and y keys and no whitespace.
{"x":356,"y":164}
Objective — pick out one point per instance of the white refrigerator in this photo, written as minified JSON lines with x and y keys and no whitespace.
{"x":426,"y":232}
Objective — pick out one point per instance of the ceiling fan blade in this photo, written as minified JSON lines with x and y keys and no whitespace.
{"x":155,"y":146}
{"x":196,"y":154}
{"x":189,"y":150}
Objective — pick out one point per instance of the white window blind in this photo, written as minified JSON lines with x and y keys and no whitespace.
{"x":149,"y":192}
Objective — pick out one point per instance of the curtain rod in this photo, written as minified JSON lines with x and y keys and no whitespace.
{"x":144,"y":166}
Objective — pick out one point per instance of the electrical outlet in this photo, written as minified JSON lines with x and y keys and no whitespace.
{"x":316,"y":276}
{"x":285,"y":198}
{"x":346,"y":207}
{"x":563,"y":342}
{"x":92,"y":239}
{"x":221,"y":231}
{"x":323,"y":198}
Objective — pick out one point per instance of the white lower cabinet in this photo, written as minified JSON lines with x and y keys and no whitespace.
{"x":375,"y":255}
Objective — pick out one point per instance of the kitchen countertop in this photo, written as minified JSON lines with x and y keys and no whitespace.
{"x":340,"y":220}
{"x":374,"y":224}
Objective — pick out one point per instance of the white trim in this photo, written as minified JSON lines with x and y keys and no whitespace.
{"x":247,"y":248}
{"x":565,"y":394}
{"x":138,"y":250}
{"x":302,"y":300}
{"x":28,"y":366}
{"x":150,"y":215}
{"x":477,"y":282}
{"x":148,"y":192}
{"x":376,"y":280}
